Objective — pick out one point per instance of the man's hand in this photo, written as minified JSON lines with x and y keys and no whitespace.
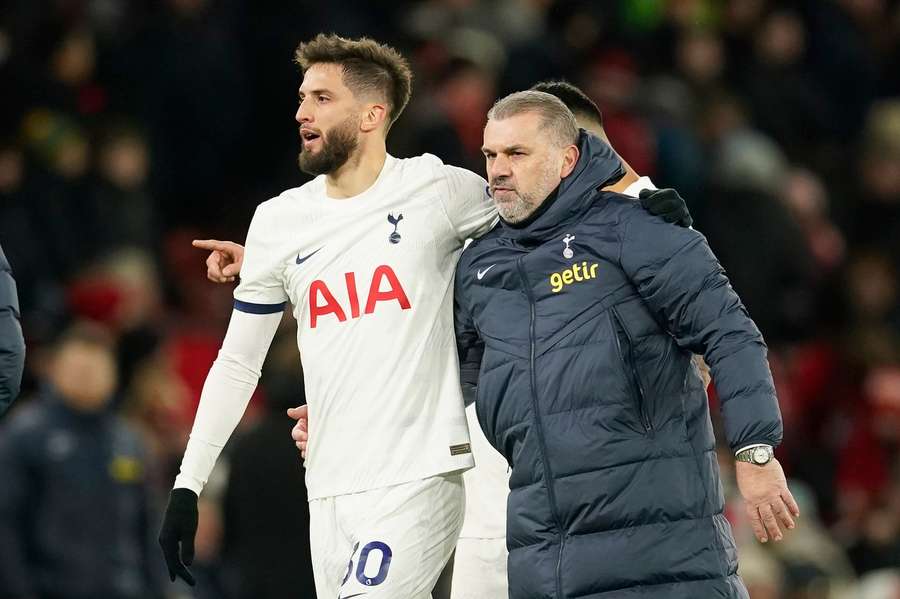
{"x":703,"y":367}
{"x":179,"y":528}
{"x":224,"y":261}
{"x":667,"y":204}
{"x":300,"y":432}
{"x":770,"y":504}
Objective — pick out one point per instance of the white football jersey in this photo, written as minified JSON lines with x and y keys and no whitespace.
{"x":487,"y":487}
{"x":370,"y":279}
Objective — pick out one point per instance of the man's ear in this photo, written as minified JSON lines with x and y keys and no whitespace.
{"x":373,"y":117}
{"x":570,"y":159}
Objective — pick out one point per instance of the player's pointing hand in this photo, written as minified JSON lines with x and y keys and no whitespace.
{"x":224,"y":261}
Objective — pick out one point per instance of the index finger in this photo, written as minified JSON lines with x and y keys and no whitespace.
{"x":298,"y":412}
{"x":210,"y":244}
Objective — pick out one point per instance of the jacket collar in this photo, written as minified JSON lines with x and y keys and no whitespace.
{"x":598,"y":166}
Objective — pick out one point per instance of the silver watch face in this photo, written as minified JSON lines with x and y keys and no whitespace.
{"x":760,"y":455}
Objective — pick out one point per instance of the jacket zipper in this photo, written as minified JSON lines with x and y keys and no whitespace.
{"x":630,"y":367}
{"x":551,"y":493}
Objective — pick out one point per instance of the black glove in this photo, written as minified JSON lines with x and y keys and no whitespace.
{"x":179,"y":526}
{"x":667,"y":204}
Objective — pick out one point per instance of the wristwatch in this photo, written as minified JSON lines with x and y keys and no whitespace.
{"x":758,"y":454}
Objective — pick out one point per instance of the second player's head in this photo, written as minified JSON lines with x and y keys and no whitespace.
{"x":587,"y":114}
{"x":352,"y":91}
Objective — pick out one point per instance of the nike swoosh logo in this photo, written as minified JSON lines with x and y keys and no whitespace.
{"x":481,"y":273}
{"x":306,"y":257}
{"x":350,"y":596}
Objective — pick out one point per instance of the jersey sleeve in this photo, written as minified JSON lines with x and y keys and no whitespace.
{"x":261,"y":290}
{"x":226,"y":393}
{"x":467,"y":203}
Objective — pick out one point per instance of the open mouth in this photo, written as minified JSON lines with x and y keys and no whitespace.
{"x":308,"y":136}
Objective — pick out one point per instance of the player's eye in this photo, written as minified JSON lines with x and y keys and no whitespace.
{"x":323,"y":99}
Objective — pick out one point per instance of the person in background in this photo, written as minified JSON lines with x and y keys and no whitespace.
{"x":73,"y":503}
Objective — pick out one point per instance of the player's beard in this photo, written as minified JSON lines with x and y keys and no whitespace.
{"x":337,"y":147}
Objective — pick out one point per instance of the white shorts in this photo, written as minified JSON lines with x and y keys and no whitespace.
{"x":386,"y":543}
{"x":479,"y":569}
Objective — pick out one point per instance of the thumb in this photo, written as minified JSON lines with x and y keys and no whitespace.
{"x":187,"y":550}
{"x":646,"y":193}
{"x":231,"y":270}
{"x":295,"y":413}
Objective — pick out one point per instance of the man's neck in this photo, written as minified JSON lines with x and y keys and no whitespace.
{"x":631,"y":175}
{"x":622,"y":184}
{"x":358,"y":174}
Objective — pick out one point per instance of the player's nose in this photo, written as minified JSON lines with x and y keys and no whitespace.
{"x":302,"y":115}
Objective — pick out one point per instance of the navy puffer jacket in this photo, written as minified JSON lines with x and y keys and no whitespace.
{"x":584,"y":321}
{"x":12,"y":344}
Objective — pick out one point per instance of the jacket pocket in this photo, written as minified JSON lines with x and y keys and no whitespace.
{"x":625,"y":350}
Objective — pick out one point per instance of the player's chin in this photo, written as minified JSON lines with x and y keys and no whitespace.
{"x":314,"y":144}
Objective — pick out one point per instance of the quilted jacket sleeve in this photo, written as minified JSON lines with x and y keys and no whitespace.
{"x":468,"y":343}
{"x":12,"y":344}
{"x":685,"y":287}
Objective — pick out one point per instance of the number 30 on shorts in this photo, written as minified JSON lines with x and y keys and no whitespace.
{"x":364,"y":556}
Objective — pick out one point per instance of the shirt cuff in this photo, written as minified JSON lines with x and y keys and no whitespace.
{"x":751,"y":447}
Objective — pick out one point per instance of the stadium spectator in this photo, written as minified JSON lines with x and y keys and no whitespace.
{"x":74,"y":510}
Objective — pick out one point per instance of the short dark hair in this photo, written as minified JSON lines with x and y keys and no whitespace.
{"x":576,"y":100}
{"x":367,"y":66}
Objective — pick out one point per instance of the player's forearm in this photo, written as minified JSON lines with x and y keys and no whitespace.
{"x":226,"y":393}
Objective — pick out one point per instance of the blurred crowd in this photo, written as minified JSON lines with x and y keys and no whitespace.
{"x":129,"y":127}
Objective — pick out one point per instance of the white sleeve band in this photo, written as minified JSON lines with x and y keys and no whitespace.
{"x":751,"y":447}
{"x":226,"y":393}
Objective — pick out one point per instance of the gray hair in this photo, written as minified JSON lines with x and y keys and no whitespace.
{"x":555,"y":116}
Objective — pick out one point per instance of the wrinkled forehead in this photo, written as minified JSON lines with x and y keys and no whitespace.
{"x":525,"y":129}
